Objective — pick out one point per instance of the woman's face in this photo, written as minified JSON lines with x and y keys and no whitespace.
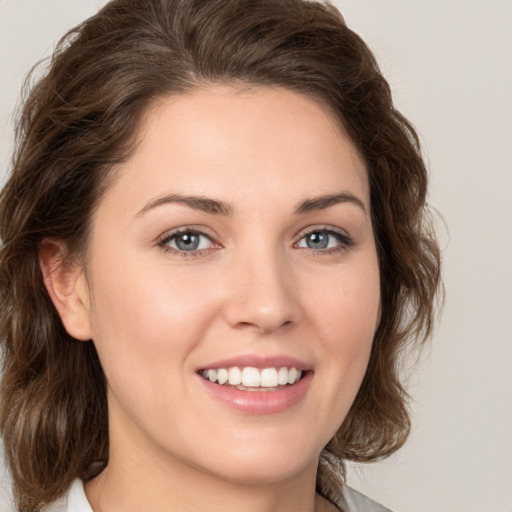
{"x":235,"y":242}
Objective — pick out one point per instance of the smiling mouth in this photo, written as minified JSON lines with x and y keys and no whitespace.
{"x":253,"y":379}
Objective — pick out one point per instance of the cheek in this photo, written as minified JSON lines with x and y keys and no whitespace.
{"x":346,"y":316}
{"x":145,"y":333}
{"x":348,"y":306}
{"x":145,"y":323}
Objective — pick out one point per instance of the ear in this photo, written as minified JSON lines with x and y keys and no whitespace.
{"x":67,"y":287}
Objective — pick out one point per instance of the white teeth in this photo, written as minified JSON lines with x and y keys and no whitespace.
{"x":250,"y":377}
{"x":269,"y":378}
{"x":222,"y":376}
{"x":282,"y":376}
{"x":235,"y":376}
{"x":292,"y":375}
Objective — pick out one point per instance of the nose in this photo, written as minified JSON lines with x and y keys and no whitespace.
{"x":263,"y":294}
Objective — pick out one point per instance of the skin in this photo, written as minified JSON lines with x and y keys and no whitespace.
{"x":156,"y":314}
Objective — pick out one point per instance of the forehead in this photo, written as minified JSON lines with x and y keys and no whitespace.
{"x":236,"y":143}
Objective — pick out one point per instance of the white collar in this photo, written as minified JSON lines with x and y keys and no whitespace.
{"x":76,"y":501}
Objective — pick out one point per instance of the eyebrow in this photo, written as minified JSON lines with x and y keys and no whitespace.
{"x":322,"y":202}
{"x":215,"y":207}
{"x":201,"y":203}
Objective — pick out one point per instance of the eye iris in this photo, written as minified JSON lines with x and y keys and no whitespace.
{"x":187,"y":241}
{"x":317,"y":240}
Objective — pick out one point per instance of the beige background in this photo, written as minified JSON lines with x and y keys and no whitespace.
{"x":450,"y":66}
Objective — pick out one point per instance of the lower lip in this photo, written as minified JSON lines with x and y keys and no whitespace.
{"x":260,"y":402}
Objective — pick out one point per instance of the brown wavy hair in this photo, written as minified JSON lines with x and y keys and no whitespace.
{"x":82,"y":118}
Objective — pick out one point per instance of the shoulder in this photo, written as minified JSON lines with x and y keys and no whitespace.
{"x":353,"y":501}
{"x":74,"y":501}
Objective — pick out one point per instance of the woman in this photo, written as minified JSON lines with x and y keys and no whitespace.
{"x":215,"y":246}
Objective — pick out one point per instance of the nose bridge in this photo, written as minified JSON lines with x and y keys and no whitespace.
{"x":263,"y":290}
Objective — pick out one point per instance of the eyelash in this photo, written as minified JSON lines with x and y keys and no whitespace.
{"x":168,"y":237}
{"x":344,"y":242}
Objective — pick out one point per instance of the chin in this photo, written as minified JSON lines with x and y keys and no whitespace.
{"x":265,"y":472}
{"x":265,"y":463}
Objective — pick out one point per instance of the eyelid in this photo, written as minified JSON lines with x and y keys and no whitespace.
{"x":162,"y":240}
{"x":200,"y":230}
{"x":326,"y":229}
{"x":344,"y":238}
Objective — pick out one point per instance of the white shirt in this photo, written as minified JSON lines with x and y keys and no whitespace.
{"x":76,"y":501}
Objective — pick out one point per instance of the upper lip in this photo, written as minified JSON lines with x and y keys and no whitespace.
{"x":258,"y":361}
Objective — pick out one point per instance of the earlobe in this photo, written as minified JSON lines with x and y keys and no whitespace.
{"x":66,"y":284}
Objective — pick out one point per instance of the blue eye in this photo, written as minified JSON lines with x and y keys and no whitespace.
{"x":324,"y":239}
{"x":187,"y":241}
